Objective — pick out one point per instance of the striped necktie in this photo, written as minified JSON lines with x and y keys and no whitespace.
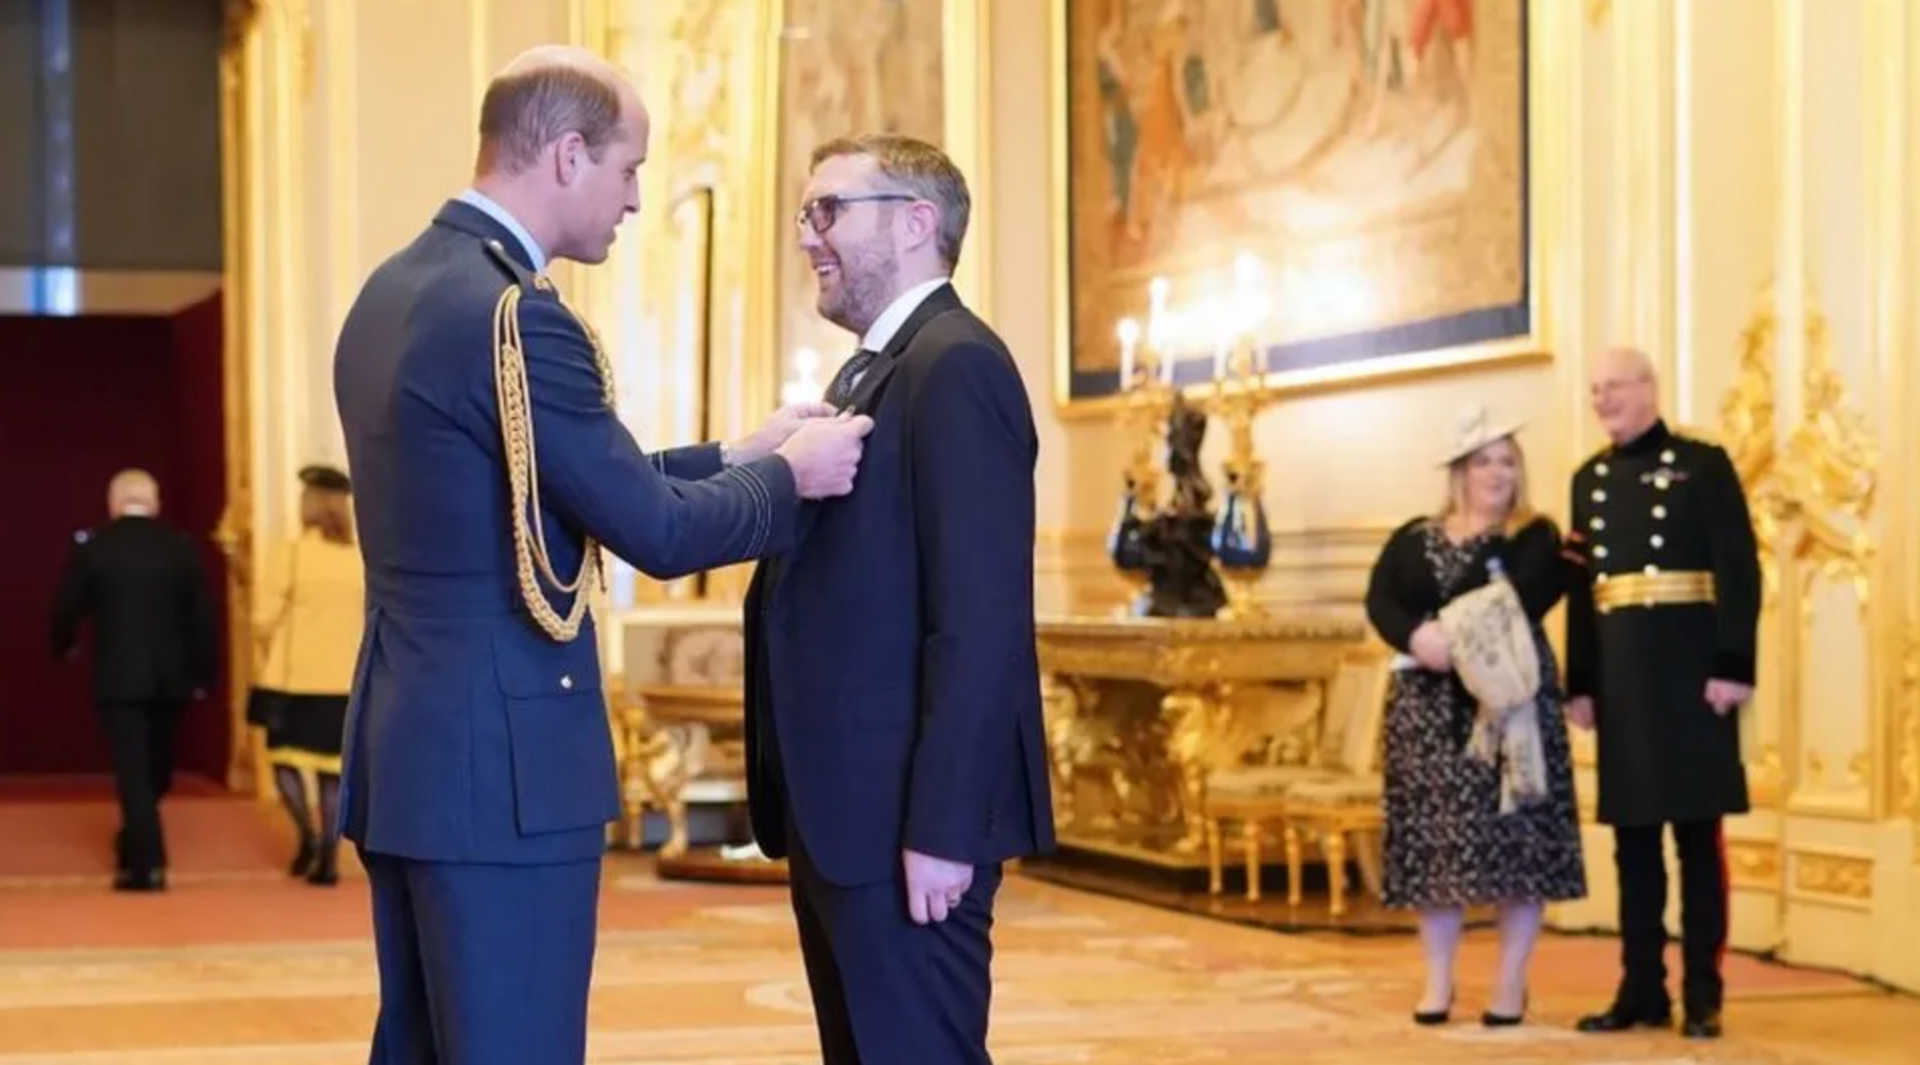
{"x":840,"y":390}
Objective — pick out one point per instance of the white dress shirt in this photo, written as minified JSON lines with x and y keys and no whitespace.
{"x":880,"y":334}
{"x":499,"y":214}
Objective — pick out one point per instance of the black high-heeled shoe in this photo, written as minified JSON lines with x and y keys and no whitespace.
{"x":303,"y":860}
{"x":1491,"y":1019}
{"x":1431,"y":1018}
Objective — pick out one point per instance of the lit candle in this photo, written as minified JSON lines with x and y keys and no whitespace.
{"x":1129,"y":338}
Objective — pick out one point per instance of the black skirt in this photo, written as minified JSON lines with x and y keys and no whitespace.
{"x":309,"y":724}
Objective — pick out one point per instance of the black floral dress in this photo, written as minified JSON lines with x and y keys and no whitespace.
{"x":1446,"y":842}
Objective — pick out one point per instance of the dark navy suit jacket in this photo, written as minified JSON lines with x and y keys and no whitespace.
{"x":473,"y":736}
{"x":893,"y":684}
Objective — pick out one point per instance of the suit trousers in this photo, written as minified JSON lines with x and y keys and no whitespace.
{"x":886,"y":990}
{"x":140,"y":738}
{"x":482,"y":964}
{"x":1641,"y":863}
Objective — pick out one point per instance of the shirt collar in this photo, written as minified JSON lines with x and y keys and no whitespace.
{"x":880,"y":334}
{"x":500,"y":214}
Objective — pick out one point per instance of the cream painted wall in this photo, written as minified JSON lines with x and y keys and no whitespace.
{"x":370,"y":128}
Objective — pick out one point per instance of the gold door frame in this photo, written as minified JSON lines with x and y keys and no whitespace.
{"x":266,"y":53}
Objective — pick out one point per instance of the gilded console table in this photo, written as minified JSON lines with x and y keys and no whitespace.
{"x":1141,"y":710}
{"x":687,"y":747}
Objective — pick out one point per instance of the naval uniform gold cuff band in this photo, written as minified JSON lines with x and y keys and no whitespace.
{"x":1652,"y":589}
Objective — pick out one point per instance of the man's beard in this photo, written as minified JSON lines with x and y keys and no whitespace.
{"x":866,"y":287}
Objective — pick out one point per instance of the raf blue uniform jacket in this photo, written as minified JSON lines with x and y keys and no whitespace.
{"x":472,"y":735}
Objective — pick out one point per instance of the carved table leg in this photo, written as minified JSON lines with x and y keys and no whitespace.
{"x":1189,"y":714}
{"x":667,"y":768}
{"x":1213,"y":856}
{"x":677,"y":836}
{"x":1291,"y":835}
{"x":1250,"y":834}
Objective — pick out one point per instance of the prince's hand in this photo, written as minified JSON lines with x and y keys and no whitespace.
{"x":935,"y":886}
{"x":768,"y":438}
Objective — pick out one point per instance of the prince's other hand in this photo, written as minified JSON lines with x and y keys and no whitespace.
{"x":779,"y":428}
{"x":824,"y":454}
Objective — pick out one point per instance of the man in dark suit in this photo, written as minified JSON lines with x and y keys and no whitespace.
{"x":141,"y":583}
{"x":894,"y":725}
{"x":489,"y":466}
{"x":1663,"y":615}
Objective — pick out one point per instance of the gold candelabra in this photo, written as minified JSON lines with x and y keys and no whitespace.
{"x":1239,"y":545}
{"x":1240,"y":392}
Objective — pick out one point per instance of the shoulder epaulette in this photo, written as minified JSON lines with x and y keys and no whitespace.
{"x":515,"y":269}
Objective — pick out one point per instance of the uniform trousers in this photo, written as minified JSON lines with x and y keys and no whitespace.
{"x":886,"y":990}
{"x":482,"y":964}
{"x":140,"y":737}
{"x":1641,"y":862}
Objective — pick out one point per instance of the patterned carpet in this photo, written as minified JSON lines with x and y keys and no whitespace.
{"x":248,"y":968}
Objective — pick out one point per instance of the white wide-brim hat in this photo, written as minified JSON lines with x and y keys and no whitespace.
{"x":1475,"y":428}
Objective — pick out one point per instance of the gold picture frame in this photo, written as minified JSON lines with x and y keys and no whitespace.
{"x":1089,"y":387}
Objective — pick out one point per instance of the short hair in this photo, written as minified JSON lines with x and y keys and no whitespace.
{"x":919,"y":168}
{"x":524,"y":111}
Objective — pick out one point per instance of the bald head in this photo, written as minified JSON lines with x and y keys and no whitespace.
{"x":1625,"y":393}
{"x":133,"y":493}
{"x":562,"y":137}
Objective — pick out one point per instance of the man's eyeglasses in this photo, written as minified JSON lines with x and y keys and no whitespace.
{"x":822,"y":213}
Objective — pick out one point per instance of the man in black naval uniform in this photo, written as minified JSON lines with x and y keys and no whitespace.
{"x":1661,"y":625}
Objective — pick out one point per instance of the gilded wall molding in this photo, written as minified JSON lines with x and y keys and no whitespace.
{"x":1840,"y":879}
{"x":1909,"y":705}
{"x":1812,"y":499}
{"x":1753,"y":865}
{"x":1812,"y":502}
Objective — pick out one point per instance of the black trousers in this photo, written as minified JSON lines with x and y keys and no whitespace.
{"x":140,"y":739}
{"x":1639,"y":858}
{"x":886,"y":990}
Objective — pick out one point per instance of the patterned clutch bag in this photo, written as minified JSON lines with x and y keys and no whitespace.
{"x":1493,"y":649}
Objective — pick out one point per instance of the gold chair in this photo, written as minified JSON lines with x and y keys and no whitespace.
{"x":1334,"y":810}
{"x":1344,"y":758}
